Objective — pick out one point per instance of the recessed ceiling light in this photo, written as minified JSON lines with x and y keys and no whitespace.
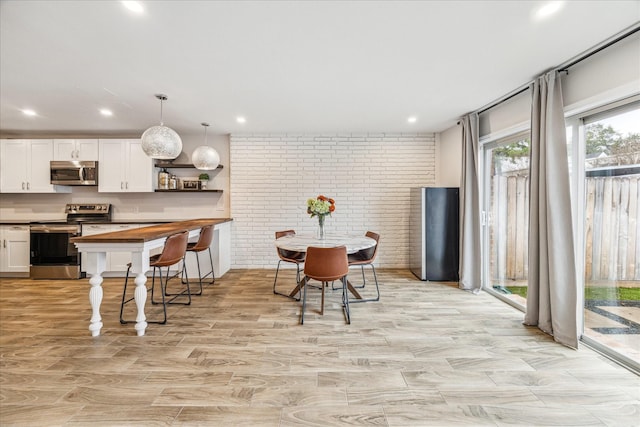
{"x":412,"y":119}
{"x":29,"y":112}
{"x":241,"y":119}
{"x":133,"y":6}
{"x":549,"y":9}
{"x":106,"y":112}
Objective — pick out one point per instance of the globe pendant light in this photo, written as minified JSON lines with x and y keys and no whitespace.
{"x":161,"y":142}
{"x":205,"y":157}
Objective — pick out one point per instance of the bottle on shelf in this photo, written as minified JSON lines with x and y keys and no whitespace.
{"x":173,"y":183}
{"x":163,"y":179}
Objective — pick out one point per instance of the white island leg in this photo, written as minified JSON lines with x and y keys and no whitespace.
{"x":141,"y":298}
{"x":96,"y":264}
{"x":95,"y":298}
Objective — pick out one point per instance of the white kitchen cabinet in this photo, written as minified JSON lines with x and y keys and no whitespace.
{"x":124,"y":167}
{"x":25,"y":166}
{"x":14,"y":248}
{"x":75,"y":149}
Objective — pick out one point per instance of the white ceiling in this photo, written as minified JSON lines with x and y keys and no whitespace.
{"x":287,"y":66}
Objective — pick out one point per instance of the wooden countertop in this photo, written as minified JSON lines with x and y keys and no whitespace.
{"x":152,"y":232}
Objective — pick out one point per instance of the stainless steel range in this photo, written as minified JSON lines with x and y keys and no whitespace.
{"x":53,"y":256}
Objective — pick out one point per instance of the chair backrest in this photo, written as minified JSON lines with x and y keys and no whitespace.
{"x":280,"y":234}
{"x":174,"y":249}
{"x":326,"y":264}
{"x":289,"y":256}
{"x":205,"y":239}
{"x":372,"y":252}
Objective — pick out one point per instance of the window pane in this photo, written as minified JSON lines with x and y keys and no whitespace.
{"x":508,"y":219}
{"x":612,"y":232}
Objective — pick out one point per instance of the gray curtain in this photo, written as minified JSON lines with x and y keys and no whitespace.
{"x":552,"y":302}
{"x":470,"y":261}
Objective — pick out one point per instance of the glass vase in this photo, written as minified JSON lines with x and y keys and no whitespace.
{"x":321,"y":227}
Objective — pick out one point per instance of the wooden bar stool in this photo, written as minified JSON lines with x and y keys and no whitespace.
{"x":175,"y":248}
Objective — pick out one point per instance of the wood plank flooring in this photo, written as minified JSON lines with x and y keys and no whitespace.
{"x":426,"y":354}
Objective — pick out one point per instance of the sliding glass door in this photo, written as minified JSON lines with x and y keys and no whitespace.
{"x":506,"y":170}
{"x":611,"y":220}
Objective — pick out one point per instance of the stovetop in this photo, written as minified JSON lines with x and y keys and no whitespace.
{"x":79,"y":213}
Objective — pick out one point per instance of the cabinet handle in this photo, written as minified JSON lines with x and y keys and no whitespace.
{"x":127,"y":185}
{"x":4,"y":243}
{"x":121,"y":185}
{"x":28,"y":187}
{"x":23,"y":185}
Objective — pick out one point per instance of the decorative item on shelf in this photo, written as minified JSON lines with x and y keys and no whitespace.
{"x":190,"y":184}
{"x":205,"y":157}
{"x":321,"y":206}
{"x":161,"y":142}
{"x":163,"y":179}
{"x":173,"y":183}
{"x":204,"y":179}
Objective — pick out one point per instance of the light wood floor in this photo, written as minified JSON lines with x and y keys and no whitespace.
{"x":426,"y":354}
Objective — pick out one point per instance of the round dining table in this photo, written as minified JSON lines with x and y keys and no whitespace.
{"x":300,"y":243}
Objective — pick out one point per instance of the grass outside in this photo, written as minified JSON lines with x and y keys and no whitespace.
{"x":591,"y":293}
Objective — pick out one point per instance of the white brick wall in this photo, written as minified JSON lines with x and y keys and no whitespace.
{"x":368,"y":175}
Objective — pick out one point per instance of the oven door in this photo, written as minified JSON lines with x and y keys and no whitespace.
{"x":53,"y":256}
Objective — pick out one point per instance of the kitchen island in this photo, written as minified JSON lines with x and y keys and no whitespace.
{"x":139,"y":242}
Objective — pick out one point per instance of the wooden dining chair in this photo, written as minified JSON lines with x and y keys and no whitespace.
{"x":296,"y":258}
{"x":364,"y":258}
{"x":175,"y":248}
{"x":326,"y":265}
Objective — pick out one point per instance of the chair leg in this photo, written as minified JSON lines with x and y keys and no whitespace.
{"x":186,"y":292}
{"x":124,"y":292}
{"x":304,"y":299}
{"x":377,"y":298}
{"x":297,"y":281}
{"x":200,"y":275}
{"x":324,"y":285}
{"x":345,"y":300}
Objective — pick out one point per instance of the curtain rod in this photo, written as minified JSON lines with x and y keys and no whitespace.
{"x":566,"y":65}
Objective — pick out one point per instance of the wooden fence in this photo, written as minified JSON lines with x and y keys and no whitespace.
{"x":612,"y":229}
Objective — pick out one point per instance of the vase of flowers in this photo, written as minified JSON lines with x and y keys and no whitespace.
{"x":321,"y":206}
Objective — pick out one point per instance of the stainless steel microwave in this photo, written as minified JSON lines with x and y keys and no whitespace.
{"x":74,"y":172}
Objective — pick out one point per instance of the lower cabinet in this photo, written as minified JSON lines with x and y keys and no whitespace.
{"x":14,"y":249}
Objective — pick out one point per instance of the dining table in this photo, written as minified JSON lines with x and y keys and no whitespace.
{"x":300,"y":243}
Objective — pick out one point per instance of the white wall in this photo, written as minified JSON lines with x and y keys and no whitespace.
{"x":449,"y":164}
{"x":369,"y":176}
{"x":136,"y":206}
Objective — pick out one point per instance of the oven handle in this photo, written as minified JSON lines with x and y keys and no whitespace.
{"x":74,"y":229}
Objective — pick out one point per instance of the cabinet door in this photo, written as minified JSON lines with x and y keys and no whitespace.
{"x":139,"y":168}
{"x":87,"y":149}
{"x":13,"y":166}
{"x":111,"y":166}
{"x":75,"y":149}
{"x":64,"y":149}
{"x":14,"y":256}
{"x":40,"y":167}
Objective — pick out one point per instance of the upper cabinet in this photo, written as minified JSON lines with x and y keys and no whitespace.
{"x":25,"y":166}
{"x":75,"y":149}
{"x":124,"y":167}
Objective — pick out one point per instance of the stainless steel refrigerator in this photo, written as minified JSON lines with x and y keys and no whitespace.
{"x":434,"y":233}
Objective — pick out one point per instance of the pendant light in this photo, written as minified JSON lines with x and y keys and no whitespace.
{"x":161,"y":142}
{"x":205,"y":157}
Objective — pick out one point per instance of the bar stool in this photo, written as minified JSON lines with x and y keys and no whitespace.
{"x":175,"y":248}
{"x":326,"y":265}
{"x":203,"y":243}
